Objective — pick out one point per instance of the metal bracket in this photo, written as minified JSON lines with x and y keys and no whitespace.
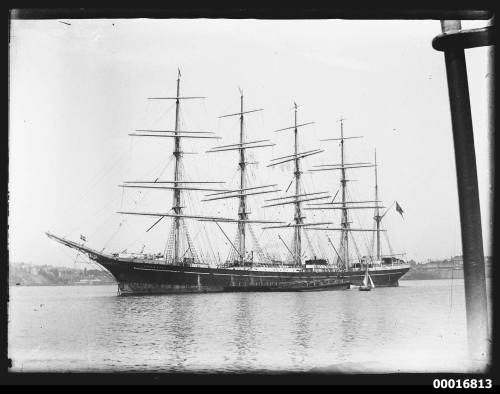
{"x":463,"y":39}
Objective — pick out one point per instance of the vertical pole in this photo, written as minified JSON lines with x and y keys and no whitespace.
{"x":468,"y":198}
{"x":298,"y":214}
{"x":242,"y":208}
{"x":377,"y":211}
{"x":177,"y":192}
{"x":344,"y":223}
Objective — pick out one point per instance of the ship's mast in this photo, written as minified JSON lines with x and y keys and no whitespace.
{"x":294,"y":198}
{"x":177,"y":192}
{"x":377,"y":217}
{"x":243,"y":191}
{"x":242,"y":213}
{"x":173,"y":246}
{"x":344,"y":240}
{"x":298,"y":215}
{"x":344,"y":205}
{"x":173,"y":253}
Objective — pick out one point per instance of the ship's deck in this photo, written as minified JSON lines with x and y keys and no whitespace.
{"x":267,"y":267}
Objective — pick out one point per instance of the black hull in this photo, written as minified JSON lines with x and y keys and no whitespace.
{"x":136,"y":277}
{"x":141,"y":276}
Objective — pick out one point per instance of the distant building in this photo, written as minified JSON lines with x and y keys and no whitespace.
{"x":451,"y":268}
{"x":88,"y":282}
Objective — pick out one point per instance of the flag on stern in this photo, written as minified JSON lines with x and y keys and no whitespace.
{"x":83,"y":238}
{"x":399,"y":209}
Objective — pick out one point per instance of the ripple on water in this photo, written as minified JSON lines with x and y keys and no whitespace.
{"x":413,"y":328}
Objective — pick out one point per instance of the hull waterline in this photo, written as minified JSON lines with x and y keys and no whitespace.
{"x":140,"y":276}
{"x":149,"y":278}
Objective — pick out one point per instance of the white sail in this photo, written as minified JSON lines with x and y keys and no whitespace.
{"x":371,"y":282}
{"x":365,"y":279}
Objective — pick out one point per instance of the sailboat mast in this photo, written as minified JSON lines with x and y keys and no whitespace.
{"x":177,"y":192}
{"x":242,"y":214}
{"x":344,"y":221}
{"x":298,"y":214}
{"x":377,"y":212}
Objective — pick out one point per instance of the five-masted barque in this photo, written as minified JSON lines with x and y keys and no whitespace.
{"x":180,"y":269}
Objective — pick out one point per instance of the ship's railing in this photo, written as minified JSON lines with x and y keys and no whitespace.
{"x":385,"y":261}
{"x":250,"y":264}
{"x":156,"y":259}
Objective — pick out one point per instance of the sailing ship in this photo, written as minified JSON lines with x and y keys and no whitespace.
{"x":186,"y":271}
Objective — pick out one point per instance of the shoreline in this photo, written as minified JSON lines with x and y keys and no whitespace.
{"x":61,"y":284}
{"x":115,"y":283}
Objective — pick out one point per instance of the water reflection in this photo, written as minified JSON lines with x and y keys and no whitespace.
{"x":301,"y":328}
{"x":153,"y":332}
{"x":349,"y":323}
{"x":90,"y":328}
{"x":244,"y":337}
{"x":178,"y":330}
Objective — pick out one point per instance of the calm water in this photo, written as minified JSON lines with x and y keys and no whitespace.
{"x":419,"y":326}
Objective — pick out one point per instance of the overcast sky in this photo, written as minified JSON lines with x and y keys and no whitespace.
{"x":78,"y":88}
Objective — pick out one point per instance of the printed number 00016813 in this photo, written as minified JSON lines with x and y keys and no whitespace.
{"x":462,"y":383}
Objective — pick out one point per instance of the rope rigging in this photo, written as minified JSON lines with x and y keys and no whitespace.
{"x":363,"y":236}
{"x":139,"y":198}
{"x":260,"y":253}
{"x":388,"y":243}
{"x":96,"y":180}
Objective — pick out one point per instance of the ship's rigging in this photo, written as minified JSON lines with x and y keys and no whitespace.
{"x":184,"y":267}
{"x":300,"y":196}
{"x":239,"y":246}
{"x":346,"y":205}
{"x":179,"y":229}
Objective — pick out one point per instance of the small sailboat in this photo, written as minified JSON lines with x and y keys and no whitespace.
{"x":367,"y":282}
